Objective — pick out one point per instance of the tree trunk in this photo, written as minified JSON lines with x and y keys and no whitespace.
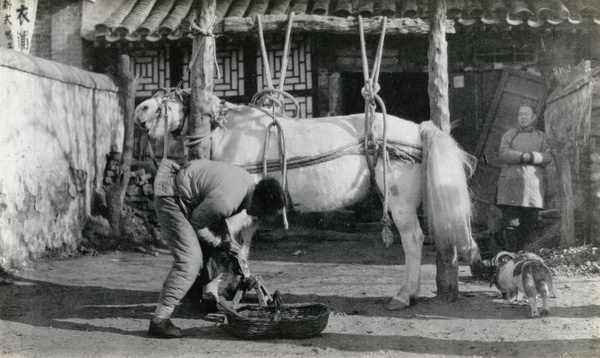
{"x":115,"y":194}
{"x":561,"y":156}
{"x":446,"y":278}
{"x":447,"y":272}
{"x":202,"y":81}
{"x":438,"y":66}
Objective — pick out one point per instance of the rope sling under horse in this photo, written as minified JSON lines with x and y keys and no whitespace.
{"x":275,"y":98}
{"x":270,"y":97}
{"x":364,"y":146}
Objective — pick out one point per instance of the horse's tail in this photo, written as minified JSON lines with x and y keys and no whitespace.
{"x":447,"y":199}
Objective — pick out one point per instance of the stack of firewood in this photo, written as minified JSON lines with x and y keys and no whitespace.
{"x":113,"y":168}
{"x":140,"y":191}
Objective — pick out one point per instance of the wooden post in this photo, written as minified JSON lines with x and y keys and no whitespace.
{"x":560,"y":153}
{"x":567,"y":122}
{"x":438,"y":66}
{"x":115,"y":194}
{"x":447,"y":270}
{"x":202,"y":80}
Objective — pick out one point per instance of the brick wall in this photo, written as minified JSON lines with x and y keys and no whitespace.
{"x":40,"y":42}
{"x":67,"y":44}
{"x":57,"y":33}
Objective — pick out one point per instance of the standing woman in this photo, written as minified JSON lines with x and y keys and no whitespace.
{"x":521,"y":188}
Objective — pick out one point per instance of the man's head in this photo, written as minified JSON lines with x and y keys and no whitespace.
{"x":526,"y":117}
{"x":268,"y":199}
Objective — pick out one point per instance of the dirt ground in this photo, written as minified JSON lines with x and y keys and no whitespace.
{"x":100,"y":306}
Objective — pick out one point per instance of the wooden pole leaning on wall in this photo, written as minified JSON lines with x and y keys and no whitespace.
{"x":115,"y":194}
{"x":202,"y":79}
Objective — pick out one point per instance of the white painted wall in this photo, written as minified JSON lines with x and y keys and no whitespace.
{"x":57,"y":123}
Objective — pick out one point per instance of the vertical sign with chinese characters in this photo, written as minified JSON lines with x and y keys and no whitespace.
{"x":17,"y":18}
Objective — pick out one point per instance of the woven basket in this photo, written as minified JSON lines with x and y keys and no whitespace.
{"x":300,"y":320}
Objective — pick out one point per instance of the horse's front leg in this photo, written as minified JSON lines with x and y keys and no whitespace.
{"x":245,"y":239}
{"x":242,"y":227}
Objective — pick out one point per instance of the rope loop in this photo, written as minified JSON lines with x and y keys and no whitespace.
{"x":271,"y":97}
{"x":196,"y":30}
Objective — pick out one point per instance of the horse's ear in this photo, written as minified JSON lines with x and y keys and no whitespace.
{"x":185,"y":97}
{"x":159,"y":92}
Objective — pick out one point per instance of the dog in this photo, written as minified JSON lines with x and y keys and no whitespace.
{"x":525,"y":273}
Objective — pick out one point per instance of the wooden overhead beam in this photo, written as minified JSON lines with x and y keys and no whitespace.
{"x":327,"y":24}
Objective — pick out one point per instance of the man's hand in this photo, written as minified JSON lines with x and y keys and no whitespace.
{"x":206,"y":237}
{"x":230,"y":246}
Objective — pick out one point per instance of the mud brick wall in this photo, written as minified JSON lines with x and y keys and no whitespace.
{"x":58,"y":125}
{"x":593,"y":200}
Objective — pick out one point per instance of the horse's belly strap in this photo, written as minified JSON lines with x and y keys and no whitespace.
{"x":397,"y":151}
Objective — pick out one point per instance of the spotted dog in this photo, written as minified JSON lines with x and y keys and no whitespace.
{"x":525,"y":273}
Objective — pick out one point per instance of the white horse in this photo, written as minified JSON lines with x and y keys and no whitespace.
{"x":439,"y":179}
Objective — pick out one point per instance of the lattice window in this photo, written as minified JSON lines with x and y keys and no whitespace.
{"x":298,"y":80}
{"x":151,"y":67}
{"x":231,"y":66}
{"x":503,"y":47}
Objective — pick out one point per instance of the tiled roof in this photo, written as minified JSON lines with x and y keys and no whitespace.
{"x":152,"y":20}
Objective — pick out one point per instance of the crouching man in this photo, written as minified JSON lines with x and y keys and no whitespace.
{"x":190,"y":200}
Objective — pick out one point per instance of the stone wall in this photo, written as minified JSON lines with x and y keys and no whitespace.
{"x":58,"y":125}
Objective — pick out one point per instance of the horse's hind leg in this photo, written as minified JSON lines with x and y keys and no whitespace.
{"x":404,"y":199}
{"x":412,"y":243}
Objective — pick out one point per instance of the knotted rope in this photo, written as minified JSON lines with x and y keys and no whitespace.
{"x":369,"y":93}
{"x":196,"y":30}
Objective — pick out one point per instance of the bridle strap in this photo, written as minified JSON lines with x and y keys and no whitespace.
{"x":166,"y":135}
{"x":151,"y":151}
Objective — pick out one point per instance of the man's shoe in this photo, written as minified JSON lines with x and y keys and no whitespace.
{"x":163,"y":329}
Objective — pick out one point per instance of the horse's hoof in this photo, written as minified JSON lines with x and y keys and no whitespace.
{"x":396,"y":305}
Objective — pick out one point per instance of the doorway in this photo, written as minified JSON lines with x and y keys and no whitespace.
{"x":404,"y":94}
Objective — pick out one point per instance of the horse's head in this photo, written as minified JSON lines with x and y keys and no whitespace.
{"x":170,"y":104}
{"x":173,"y":105}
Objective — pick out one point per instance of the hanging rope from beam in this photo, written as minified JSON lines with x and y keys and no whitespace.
{"x":275,"y":99}
{"x":369,"y":93}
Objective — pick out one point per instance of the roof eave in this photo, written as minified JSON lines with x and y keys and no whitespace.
{"x":325,"y":24}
